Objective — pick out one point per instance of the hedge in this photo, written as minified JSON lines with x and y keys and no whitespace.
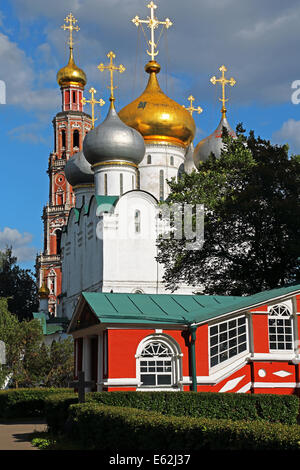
{"x":56,"y":410}
{"x":101,"y":427}
{"x":26,"y":402}
{"x":53,"y":403}
{"x":273,"y":408}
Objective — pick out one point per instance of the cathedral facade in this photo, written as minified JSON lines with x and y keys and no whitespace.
{"x":102,"y":224}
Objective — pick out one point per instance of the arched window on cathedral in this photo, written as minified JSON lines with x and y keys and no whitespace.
{"x":280,"y":328}
{"x":63,"y":139}
{"x":161,"y":185}
{"x":74,"y":97}
{"x":138,"y":179}
{"x":76,"y":138}
{"x":148,"y":159}
{"x":159,"y":363}
{"x":58,"y":241}
{"x":172,"y":160}
{"x":137,"y":221}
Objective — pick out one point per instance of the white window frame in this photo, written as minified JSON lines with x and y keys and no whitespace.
{"x":175,"y":357}
{"x":221,"y":364}
{"x":273,"y":315}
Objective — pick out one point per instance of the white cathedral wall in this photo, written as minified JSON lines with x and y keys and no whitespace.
{"x":106,"y":253}
{"x":129,"y":256}
{"x":162,"y":157}
{"x":81,"y":258}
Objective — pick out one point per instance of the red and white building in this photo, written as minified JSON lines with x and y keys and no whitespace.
{"x":134,"y":342}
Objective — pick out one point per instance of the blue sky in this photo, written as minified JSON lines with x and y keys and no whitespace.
{"x":258,"y":41}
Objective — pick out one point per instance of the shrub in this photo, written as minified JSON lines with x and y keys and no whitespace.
{"x":56,"y":410}
{"x":25,"y":403}
{"x":102,"y":427}
{"x":233,"y":406}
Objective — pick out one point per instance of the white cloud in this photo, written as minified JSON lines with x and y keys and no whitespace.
{"x":20,"y":243}
{"x":289,"y":134}
{"x":19,"y":77}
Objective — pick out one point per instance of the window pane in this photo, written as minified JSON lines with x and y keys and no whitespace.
{"x":214,"y":361}
{"x":148,"y":379}
{"x":214,"y":330}
{"x":232,"y":352}
{"x":164,"y":380}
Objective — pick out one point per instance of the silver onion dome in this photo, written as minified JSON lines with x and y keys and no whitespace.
{"x":112,"y":140}
{"x":78,"y":170}
{"x":213,"y":143}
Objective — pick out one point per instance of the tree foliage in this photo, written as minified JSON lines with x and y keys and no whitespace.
{"x":252,"y":220}
{"x":29,"y":362}
{"x":18,"y":286}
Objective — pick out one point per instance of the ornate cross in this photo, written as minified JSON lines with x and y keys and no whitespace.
{"x":152,"y":23}
{"x":71,"y":22}
{"x":92,"y":102}
{"x":112,"y":68}
{"x":224,"y":81}
{"x":191,"y":108}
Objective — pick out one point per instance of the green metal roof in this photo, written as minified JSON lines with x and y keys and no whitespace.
{"x":52,"y":325}
{"x":172,"y":308}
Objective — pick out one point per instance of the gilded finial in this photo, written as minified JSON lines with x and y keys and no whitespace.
{"x":71,"y":26}
{"x":111,"y":68}
{"x":92,"y":102}
{"x":191,"y":108}
{"x":224,"y":81}
{"x":152,"y":22}
{"x":71,"y":74}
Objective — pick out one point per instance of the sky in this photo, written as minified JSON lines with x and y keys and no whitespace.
{"x":257,"y":41}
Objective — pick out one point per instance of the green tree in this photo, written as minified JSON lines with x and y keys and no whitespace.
{"x":18,"y":286}
{"x":29,"y":362}
{"x":252,"y":220}
{"x":21,"y":340}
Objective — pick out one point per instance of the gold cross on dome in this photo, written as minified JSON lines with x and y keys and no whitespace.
{"x":92,"y":102}
{"x":224,"y":81}
{"x":191,"y":108}
{"x":71,"y":22}
{"x":152,"y":22}
{"x":112,"y":68}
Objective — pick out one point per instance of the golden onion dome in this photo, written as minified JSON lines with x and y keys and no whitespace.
{"x":43,"y":291}
{"x":156,"y":116}
{"x":71,"y":74}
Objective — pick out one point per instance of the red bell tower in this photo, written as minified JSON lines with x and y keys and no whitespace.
{"x":71,"y":125}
